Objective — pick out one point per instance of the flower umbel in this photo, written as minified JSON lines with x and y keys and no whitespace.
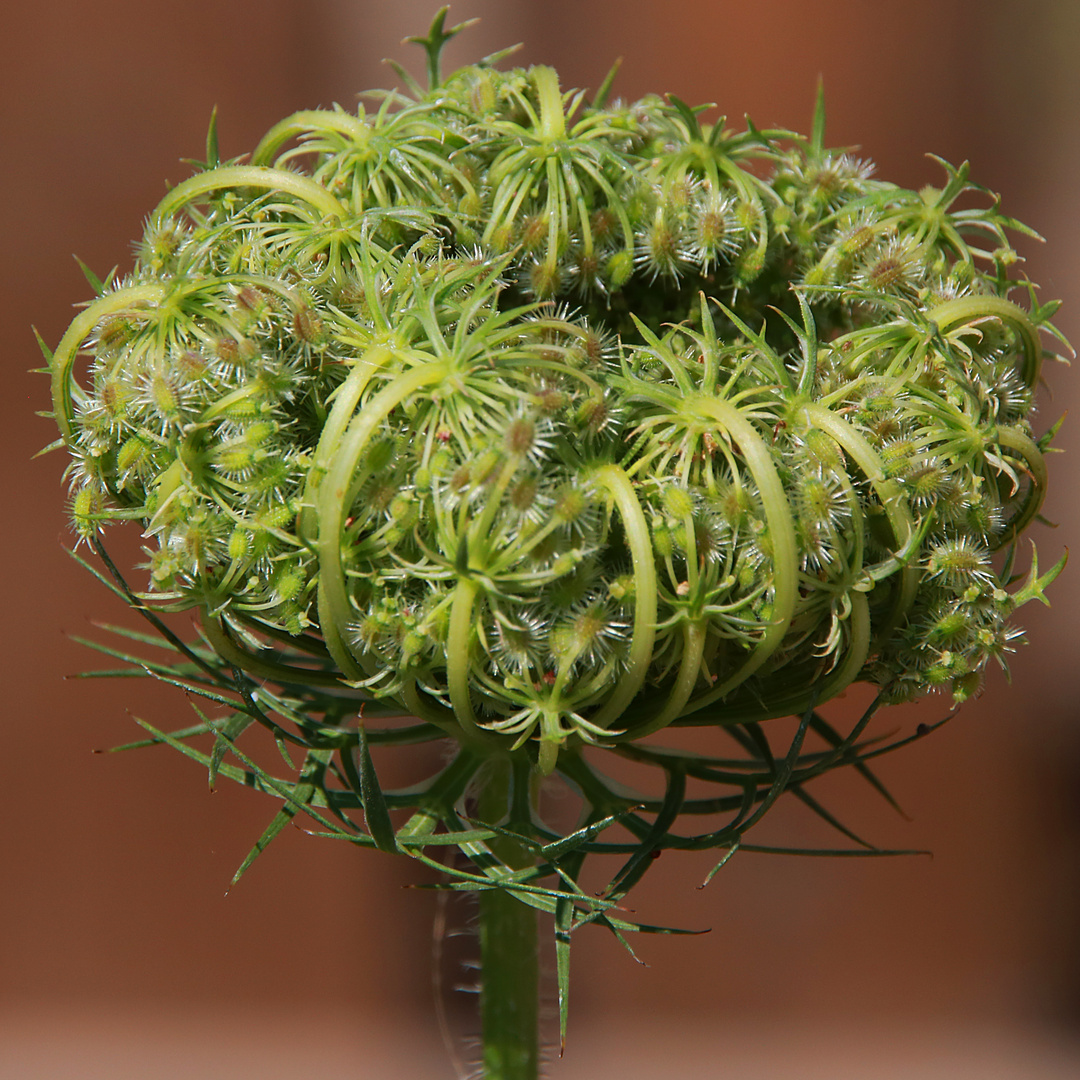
{"x":552,"y":423}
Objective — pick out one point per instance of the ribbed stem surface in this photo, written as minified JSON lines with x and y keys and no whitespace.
{"x":510,"y":965}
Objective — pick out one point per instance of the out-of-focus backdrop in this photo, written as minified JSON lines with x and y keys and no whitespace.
{"x":121,"y":956}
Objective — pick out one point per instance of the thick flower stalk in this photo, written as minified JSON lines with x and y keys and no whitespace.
{"x":553,"y":422}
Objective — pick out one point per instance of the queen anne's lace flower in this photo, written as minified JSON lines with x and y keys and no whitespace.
{"x":329,"y":393}
{"x":551,"y":423}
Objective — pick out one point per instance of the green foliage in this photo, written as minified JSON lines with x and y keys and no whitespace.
{"x":334,"y":783}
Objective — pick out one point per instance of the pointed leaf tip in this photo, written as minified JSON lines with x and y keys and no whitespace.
{"x":605,"y":86}
{"x":689,"y":117}
{"x":375,"y":810}
{"x":94,"y":281}
{"x":213,"y":159}
{"x":45,"y":350}
{"x":817,"y":130}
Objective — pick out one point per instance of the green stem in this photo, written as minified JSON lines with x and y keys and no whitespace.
{"x":65,"y":392}
{"x":892,"y":499}
{"x":693,"y":648}
{"x":972,"y":309}
{"x":458,"y":641}
{"x":345,"y":401}
{"x":1025,"y":448}
{"x":309,"y":122}
{"x":509,"y":955}
{"x":335,"y":609}
{"x":252,"y":176}
{"x":226,"y":648}
{"x":636,"y":528}
{"x":774,"y":501}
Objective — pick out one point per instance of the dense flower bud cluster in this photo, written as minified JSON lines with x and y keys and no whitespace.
{"x":550,"y":419}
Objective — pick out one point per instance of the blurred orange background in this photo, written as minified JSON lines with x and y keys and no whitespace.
{"x":119,"y":953}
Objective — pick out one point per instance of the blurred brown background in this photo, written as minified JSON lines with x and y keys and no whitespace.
{"x":115,"y":938}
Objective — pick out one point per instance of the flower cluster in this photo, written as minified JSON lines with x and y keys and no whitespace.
{"x":551,"y":420}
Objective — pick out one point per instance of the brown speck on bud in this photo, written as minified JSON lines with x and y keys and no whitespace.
{"x":594,"y":414}
{"x":113,"y":397}
{"x":712,"y":228}
{"x":544,"y":280}
{"x":887,"y":271}
{"x":521,"y":436}
{"x":524,"y":493}
{"x":191,"y":365}
{"x":460,"y":480}
{"x":252,"y":299}
{"x":549,"y":399}
{"x":594,"y":348}
{"x":228,"y":351}
{"x":534,"y":232}
{"x":114,"y":333}
{"x":351,"y":294}
{"x":308,"y":326}
{"x":603,"y":224}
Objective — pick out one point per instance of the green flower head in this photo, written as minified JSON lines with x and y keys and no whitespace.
{"x":552,"y":421}
{"x":429,"y":384}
